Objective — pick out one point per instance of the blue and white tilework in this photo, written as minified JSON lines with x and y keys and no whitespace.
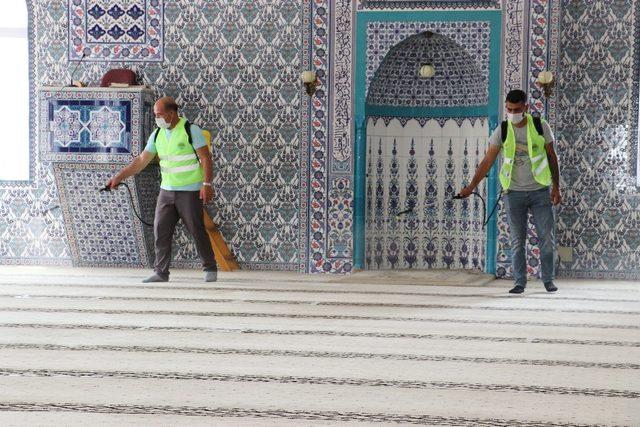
{"x":116,"y":30}
{"x":94,"y":125}
{"x":474,"y":37}
{"x":101,"y":227}
{"x":596,"y":128}
{"x":90,"y":127}
{"x":245,"y":89}
{"x":424,"y":4}
{"x":331,"y":179}
{"x":416,"y":168}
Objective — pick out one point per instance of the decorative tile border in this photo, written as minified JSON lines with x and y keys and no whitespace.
{"x":319,"y":135}
{"x":341,"y":51}
{"x":514,"y":43}
{"x":423,"y":4}
{"x":116,"y":30}
{"x":538,"y":52}
{"x":442,"y":121}
{"x":513,"y":23}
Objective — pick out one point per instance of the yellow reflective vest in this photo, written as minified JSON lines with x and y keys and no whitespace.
{"x":537,"y":154}
{"x":179,"y":163}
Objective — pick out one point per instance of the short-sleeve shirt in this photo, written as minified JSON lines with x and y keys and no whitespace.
{"x":522,"y":176}
{"x":198,"y":142}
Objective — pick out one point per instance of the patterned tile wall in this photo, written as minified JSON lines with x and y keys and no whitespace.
{"x":597,"y":137}
{"x":417,"y":166}
{"x":244,"y":88}
{"x":101,"y":227}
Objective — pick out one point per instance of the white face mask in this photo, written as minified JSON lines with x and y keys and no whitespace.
{"x":515,"y":118}
{"x":162,"y":123}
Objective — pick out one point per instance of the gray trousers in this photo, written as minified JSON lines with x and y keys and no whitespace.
{"x":171,"y":207}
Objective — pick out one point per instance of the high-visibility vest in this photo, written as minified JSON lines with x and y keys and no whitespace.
{"x":537,"y":154}
{"x":179,"y":163}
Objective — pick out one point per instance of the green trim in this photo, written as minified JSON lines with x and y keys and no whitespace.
{"x":493,"y":184}
{"x":359,"y":207}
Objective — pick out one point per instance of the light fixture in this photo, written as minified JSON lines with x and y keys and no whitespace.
{"x":546,"y":82}
{"x":427,"y":71}
{"x":310,"y":81}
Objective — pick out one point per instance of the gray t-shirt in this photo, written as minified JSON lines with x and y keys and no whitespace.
{"x":522,"y":176}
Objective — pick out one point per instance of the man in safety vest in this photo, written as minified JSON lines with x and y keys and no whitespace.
{"x":187,"y":172}
{"x":529,"y":169}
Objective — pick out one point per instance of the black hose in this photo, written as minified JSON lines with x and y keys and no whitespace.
{"x":107,"y":188}
{"x":485,"y":220}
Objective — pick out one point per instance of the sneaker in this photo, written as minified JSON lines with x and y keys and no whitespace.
{"x":210,"y":276}
{"x":155,"y":278}
{"x":550,"y":287}
{"x":517,"y":289}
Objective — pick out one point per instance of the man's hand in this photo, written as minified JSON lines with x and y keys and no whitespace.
{"x":113,"y":183}
{"x":466,"y":192}
{"x":556,"y":198}
{"x":206,"y":194}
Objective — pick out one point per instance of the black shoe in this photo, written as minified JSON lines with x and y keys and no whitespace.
{"x":550,"y":287}
{"x":517,"y":289}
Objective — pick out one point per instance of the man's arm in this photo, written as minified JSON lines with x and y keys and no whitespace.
{"x":556,"y":198}
{"x":483,"y":169}
{"x":207,"y":164}
{"x":136,"y":165}
{"x":206,"y":192}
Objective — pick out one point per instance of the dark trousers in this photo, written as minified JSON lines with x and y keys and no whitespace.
{"x":187,"y":206}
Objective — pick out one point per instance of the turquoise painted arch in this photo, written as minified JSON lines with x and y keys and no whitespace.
{"x":361,"y":111}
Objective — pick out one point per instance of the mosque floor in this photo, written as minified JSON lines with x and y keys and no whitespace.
{"x":97,"y":347}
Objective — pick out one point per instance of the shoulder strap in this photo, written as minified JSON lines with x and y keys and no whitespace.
{"x":187,"y":128}
{"x":537,"y":122}
{"x":503,"y":131}
{"x":155,"y":135}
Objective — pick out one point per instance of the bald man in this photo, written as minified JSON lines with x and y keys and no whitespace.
{"x":187,"y":172}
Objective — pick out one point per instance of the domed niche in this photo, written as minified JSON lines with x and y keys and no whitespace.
{"x":416,"y":164}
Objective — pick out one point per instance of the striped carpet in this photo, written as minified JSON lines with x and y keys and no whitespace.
{"x":97,"y":347}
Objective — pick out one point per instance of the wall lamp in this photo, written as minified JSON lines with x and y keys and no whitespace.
{"x":427,"y":71}
{"x":546,"y":82}
{"x":310,"y":81}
